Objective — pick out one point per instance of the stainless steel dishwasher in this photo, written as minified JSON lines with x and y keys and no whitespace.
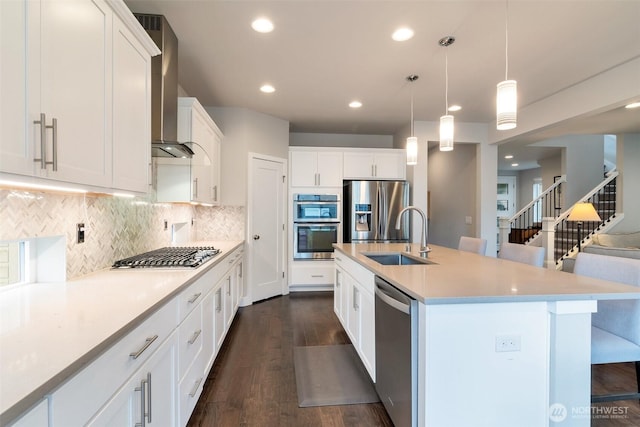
{"x":396,"y":353}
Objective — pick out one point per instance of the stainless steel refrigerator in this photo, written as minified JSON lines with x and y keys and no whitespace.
{"x":371,"y":209}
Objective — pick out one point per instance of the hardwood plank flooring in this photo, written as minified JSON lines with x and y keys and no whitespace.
{"x":252,"y":382}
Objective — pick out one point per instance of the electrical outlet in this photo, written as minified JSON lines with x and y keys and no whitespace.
{"x":507,"y":343}
{"x":80,"y":232}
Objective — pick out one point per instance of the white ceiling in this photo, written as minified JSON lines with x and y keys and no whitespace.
{"x":323,"y":54}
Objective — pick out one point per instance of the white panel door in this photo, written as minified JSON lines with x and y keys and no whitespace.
{"x":16,"y":156}
{"x":266,"y":228}
{"x":131,"y":112}
{"x":76,"y":88}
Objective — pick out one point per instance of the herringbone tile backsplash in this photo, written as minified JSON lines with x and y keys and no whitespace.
{"x":115,"y":228}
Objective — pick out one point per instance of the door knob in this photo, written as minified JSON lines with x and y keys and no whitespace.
{"x":256,"y":237}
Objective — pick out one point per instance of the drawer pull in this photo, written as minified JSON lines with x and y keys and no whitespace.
{"x":195,"y":336}
{"x":194,"y":297}
{"x":194,"y":390}
{"x":146,"y":345}
{"x":317,"y":275}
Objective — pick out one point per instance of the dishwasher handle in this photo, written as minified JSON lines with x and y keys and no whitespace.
{"x":393,"y":297}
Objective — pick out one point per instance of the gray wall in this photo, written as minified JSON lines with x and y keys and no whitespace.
{"x":340,"y":140}
{"x":246,"y":131}
{"x":628,"y":163}
{"x":452,"y":184}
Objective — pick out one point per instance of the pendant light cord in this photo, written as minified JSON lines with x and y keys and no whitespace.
{"x":506,"y":40}
{"x":446,"y":83}
{"x":412,"y":112}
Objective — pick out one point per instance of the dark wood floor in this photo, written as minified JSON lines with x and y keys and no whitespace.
{"x":253,"y":383}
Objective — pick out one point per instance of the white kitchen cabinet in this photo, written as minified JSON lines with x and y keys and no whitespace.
{"x":38,"y":416}
{"x":375,"y":164}
{"x":99,"y":381}
{"x":316,"y":168}
{"x":354,"y":304}
{"x":58,"y":118}
{"x":148,"y":397}
{"x":131,"y":111}
{"x":196,"y":179}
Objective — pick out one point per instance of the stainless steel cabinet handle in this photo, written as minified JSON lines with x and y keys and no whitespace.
{"x":229,"y":285}
{"x":194,"y":297}
{"x":215,"y":193}
{"x":219,"y":300}
{"x":355,"y":298}
{"x":54,"y":125}
{"x":195,"y":336}
{"x":256,"y":237}
{"x":43,"y":139}
{"x":195,"y":188}
{"x":375,"y":168}
{"x":149,"y":396}
{"x":194,"y":390}
{"x":319,"y":179}
{"x":337,"y":278}
{"x":146,"y":345}
{"x":317,"y":275}
{"x":143,"y":408}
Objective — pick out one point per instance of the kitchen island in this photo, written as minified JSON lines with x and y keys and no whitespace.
{"x":50,"y":333}
{"x":499,"y":343}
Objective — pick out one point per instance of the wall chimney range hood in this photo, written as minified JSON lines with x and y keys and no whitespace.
{"x":164,"y":89}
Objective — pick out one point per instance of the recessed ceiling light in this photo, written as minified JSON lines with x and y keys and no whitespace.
{"x":402,"y":34}
{"x":509,"y":156}
{"x":633,"y":105}
{"x":455,"y":108}
{"x":262,"y":25}
{"x":355,"y":104}
{"x":515,"y":164}
{"x":267,"y":88}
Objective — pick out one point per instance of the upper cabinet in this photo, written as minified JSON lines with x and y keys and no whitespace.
{"x":75,"y":93}
{"x":316,"y":168}
{"x":375,"y":164}
{"x":196,"y":179}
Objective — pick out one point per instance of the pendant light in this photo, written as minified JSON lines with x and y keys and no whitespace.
{"x":446,"y":121}
{"x":507,"y":95}
{"x":412,"y":141}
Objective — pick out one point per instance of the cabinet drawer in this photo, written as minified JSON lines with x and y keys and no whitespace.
{"x":191,"y":297}
{"x":312,"y":275}
{"x":191,"y":388}
{"x":363,"y":276}
{"x":190,"y":340}
{"x":96,"y":383}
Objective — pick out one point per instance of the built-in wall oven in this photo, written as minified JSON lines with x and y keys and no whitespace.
{"x":316,"y":225}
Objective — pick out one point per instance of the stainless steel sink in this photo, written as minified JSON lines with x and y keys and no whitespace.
{"x":396,"y":258}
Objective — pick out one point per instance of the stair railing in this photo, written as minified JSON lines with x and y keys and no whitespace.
{"x":527,"y":223}
{"x":603,"y":198}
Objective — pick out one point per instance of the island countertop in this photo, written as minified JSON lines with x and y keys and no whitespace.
{"x":458,"y":277}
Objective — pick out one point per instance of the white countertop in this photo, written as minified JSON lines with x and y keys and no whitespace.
{"x":48,"y":331}
{"x":458,"y":277}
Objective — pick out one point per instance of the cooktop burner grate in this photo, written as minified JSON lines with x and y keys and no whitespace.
{"x":170,"y":257}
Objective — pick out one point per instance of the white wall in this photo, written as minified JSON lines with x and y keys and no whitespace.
{"x":246,"y":131}
{"x":340,"y":140}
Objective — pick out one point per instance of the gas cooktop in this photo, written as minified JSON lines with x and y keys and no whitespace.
{"x":170,"y":257}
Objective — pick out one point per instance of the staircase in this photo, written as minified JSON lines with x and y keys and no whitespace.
{"x":522,"y":228}
{"x":603,"y":198}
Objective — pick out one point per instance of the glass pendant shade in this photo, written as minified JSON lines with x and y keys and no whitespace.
{"x":412,"y":150}
{"x":507,"y":105}
{"x":446,"y":133}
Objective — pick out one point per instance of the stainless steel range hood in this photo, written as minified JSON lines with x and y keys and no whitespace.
{"x":164,"y":89}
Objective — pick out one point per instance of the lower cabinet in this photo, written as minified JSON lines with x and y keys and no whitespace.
{"x":354,"y":304}
{"x":154,"y":375}
{"x":148,"y":398}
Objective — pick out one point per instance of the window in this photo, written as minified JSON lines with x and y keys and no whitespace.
{"x":537,"y":207}
{"x":12,"y":263}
